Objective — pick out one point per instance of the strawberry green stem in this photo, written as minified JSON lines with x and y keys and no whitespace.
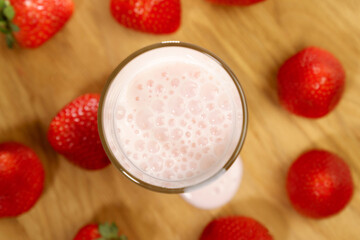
{"x":110,"y":232}
{"x":7,"y":27}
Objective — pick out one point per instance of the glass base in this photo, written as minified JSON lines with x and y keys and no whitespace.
{"x":219,"y":192}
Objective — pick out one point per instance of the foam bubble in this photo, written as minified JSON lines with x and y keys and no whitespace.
{"x":159,"y":89}
{"x":195,"y":107}
{"x":150,"y":83}
{"x":153,"y":147}
{"x":216,"y":117}
{"x":171,"y":122}
{"x":161,"y":134}
{"x":202,"y":124}
{"x":215,"y":131}
{"x":169,"y":163}
{"x":183,"y":150}
{"x":175,"y":82}
{"x":210,"y":106}
{"x":144,"y":119}
{"x":202,"y":141}
{"x":197,"y":74}
{"x":175,"y":152}
{"x":209,"y":92}
{"x":189,"y":89}
{"x":193,"y":165}
{"x":176,"y":106}
{"x":177,"y":133}
{"x":130,"y":118}
{"x":158,"y":106}
{"x":168,"y":174}
{"x":159,"y":121}
{"x":156,"y":163}
{"x":183,"y":167}
{"x":224,"y":102}
{"x":139,"y":145}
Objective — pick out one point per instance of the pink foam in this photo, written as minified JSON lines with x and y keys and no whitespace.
{"x":187,"y":119}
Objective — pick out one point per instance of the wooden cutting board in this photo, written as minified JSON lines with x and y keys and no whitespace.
{"x":254,"y":41}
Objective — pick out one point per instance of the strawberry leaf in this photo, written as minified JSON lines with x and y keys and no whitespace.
{"x":9,"y":12}
{"x":14,"y":27}
{"x":108,"y":230}
{"x":2,"y":4}
{"x":122,"y":237}
{"x":3,"y":27}
{"x":10,"y":40}
{"x":3,"y":30}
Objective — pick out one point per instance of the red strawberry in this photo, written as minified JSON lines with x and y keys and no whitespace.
{"x":153,"y":16}
{"x":99,"y":231}
{"x":21,"y":179}
{"x":319,"y":184}
{"x":235,"y":228}
{"x":33,"y":22}
{"x":236,"y":2}
{"x":311,"y":83}
{"x":74,"y":133}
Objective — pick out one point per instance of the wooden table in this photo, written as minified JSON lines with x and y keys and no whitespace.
{"x":254,"y":41}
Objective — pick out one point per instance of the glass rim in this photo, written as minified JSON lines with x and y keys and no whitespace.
{"x":112,"y":77}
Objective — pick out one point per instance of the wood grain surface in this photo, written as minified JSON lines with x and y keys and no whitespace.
{"x":254,"y":41}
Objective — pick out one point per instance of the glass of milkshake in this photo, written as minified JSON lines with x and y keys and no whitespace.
{"x":173,"y":119}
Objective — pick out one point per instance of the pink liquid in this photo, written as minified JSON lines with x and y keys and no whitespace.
{"x":175,"y":121}
{"x":173,"y":117}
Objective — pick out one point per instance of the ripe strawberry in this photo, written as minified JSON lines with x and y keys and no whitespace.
{"x":236,"y":2}
{"x":33,"y":22}
{"x":21,"y":179}
{"x":235,"y":228}
{"x":99,"y":231}
{"x":74,"y":133}
{"x":152,"y":16}
{"x":319,"y":184}
{"x":311,"y":83}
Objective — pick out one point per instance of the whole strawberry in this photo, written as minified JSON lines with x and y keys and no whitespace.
{"x":99,"y":231}
{"x":21,"y":179}
{"x":319,"y":184}
{"x":74,"y":133}
{"x":311,"y":83}
{"x":30,"y":23}
{"x":236,"y":2}
{"x":235,"y":228}
{"x":152,"y":16}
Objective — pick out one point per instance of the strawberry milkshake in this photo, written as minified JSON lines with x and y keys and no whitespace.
{"x":172,"y":117}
